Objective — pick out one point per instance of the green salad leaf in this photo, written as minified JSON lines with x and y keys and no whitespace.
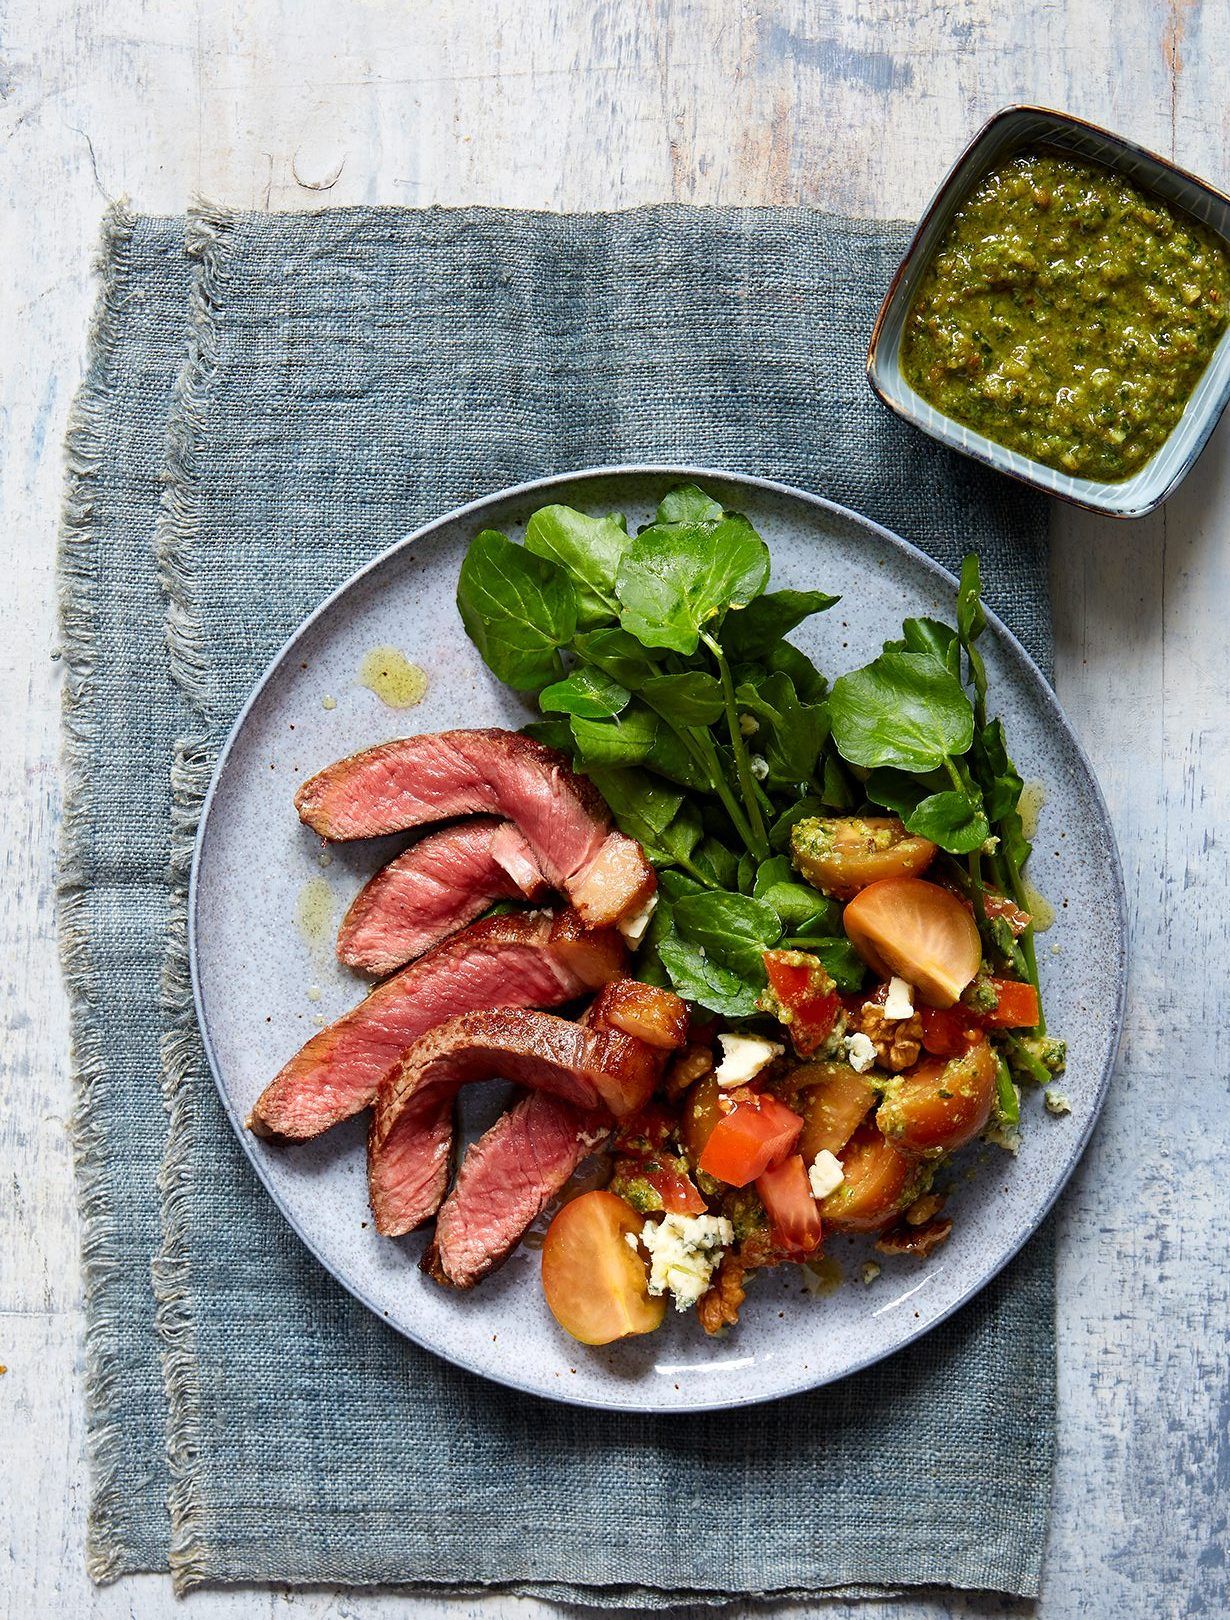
{"x":587,"y":693}
{"x":734,"y":929}
{"x":905,"y":709}
{"x":752,"y":631}
{"x":587,"y":548}
{"x":789,"y":733}
{"x":693,"y":698}
{"x":625,"y":739}
{"x":616,"y":654}
{"x":952,"y":820}
{"x":689,"y":504}
{"x":675,"y":578}
{"x":518,"y":610}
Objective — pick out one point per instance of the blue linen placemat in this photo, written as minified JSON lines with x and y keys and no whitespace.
{"x":345,"y":377}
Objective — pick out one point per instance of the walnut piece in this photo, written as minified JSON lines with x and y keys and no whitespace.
{"x":918,"y":1241}
{"x":922,"y":1209}
{"x":897,"y":1041}
{"x":718,"y":1306}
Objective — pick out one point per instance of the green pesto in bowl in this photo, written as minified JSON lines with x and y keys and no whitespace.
{"x":1067,"y":315}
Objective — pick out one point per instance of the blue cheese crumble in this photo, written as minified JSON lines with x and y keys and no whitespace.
{"x":684,"y":1252}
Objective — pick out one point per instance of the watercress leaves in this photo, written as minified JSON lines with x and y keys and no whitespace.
{"x":753,"y":630}
{"x":587,"y":548}
{"x":688,"y":504}
{"x":697,"y":978}
{"x":733,"y":929}
{"x":789,"y":734}
{"x":905,"y":709}
{"x":676,"y":577}
{"x":953,"y":820}
{"x":616,"y":654}
{"x":518,"y":610}
{"x":692,"y":698}
{"x":625,"y":739}
{"x":800,"y":907}
{"x":587,"y":693}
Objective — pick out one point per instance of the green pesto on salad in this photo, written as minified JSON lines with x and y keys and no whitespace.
{"x":839,"y":967}
{"x":1068,"y":315}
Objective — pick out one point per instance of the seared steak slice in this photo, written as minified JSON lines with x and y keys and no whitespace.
{"x":415,"y":780}
{"x":513,"y":1172}
{"x":507,"y":1178}
{"x":437,"y":886}
{"x":657,"y":1016}
{"x":589,"y":1068}
{"x":528,"y":960}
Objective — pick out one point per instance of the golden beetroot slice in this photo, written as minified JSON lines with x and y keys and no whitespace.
{"x":833,"y":1101}
{"x":940,"y":1105}
{"x":595,"y":1281}
{"x":879,"y":1183}
{"x":918,"y":931}
{"x":842,"y":854}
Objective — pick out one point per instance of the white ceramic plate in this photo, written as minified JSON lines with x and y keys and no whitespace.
{"x":262,"y":980}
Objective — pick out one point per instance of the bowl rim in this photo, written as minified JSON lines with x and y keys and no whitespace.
{"x":1125,"y":145}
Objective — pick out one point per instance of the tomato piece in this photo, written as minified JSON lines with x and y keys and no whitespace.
{"x":633,"y":1176}
{"x":999,"y":905}
{"x":879,"y":1183}
{"x":833,"y":1101}
{"x":786,"y":1195}
{"x":677,"y":1192}
{"x":939,"y":1106}
{"x":918,"y":930}
{"x":947,"y":1031}
{"x":595,"y":1282}
{"x":1017,"y":1007}
{"x":749,"y":1139}
{"x":789,"y":974}
{"x":807,"y":1002}
{"x":813,"y":1022}
{"x":840,"y":855}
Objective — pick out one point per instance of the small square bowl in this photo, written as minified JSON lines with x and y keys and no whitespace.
{"x":1008,"y":132}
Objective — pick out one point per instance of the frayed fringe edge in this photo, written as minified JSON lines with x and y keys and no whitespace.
{"x":177,"y":538}
{"x":106,"y":1555}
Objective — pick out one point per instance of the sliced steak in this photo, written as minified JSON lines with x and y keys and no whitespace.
{"x":437,"y":886}
{"x":416,"y":780}
{"x":527,"y":960}
{"x":513,"y":1172}
{"x":589,"y":1068}
{"x":507,"y":1178}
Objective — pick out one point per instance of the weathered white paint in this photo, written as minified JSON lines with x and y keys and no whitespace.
{"x":592,"y":104}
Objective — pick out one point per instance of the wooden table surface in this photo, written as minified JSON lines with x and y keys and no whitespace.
{"x":857,"y":106}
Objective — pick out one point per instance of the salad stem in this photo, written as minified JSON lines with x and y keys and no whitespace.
{"x":759,"y":845}
{"x":703,"y":753}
